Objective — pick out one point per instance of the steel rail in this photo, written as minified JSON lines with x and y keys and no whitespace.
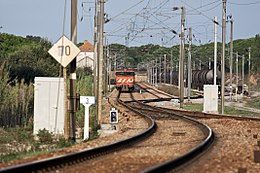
{"x":193,"y":153}
{"x":76,"y":157}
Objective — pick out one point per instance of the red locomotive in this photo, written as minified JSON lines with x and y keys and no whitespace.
{"x":125,"y":80}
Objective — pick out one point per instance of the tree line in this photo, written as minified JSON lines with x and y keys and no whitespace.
{"x":200,"y":53}
{"x":23,"y":58}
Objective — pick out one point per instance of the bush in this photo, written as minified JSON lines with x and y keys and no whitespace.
{"x":45,"y":136}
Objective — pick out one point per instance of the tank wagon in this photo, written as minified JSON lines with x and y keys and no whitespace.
{"x":198,"y":78}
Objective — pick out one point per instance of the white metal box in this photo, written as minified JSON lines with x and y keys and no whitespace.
{"x":210,"y":102}
{"x":49,"y":104}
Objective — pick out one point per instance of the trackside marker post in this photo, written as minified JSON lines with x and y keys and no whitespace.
{"x":87,"y":101}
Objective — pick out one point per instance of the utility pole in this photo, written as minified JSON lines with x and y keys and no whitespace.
{"x":109,"y":70}
{"x":95,"y":68}
{"x":243,"y":73}
{"x":215,"y":49}
{"x":73,"y":76}
{"x":182,"y":54}
{"x":249,"y":58}
{"x":189,"y":64}
{"x":156,"y":73}
{"x":223,"y":56}
{"x":171,"y":69}
{"x":100,"y":63}
{"x":236,"y":74}
{"x":106,"y":68}
{"x":164,"y":68}
{"x":153,"y":74}
{"x":160,"y":70}
{"x":148,"y":72}
{"x":231,"y":55}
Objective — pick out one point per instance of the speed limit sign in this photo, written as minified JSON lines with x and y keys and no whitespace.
{"x":64,"y":51}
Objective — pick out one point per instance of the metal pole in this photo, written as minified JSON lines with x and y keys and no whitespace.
{"x":73,"y":75}
{"x":231,"y":56}
{"x":106,"y":70}
{"x":150,"y":72}
{"x":249,"y":57}
{"x":109,"y":71}
{"x":95,"y":51}
{"x":223,"y":56}
{"x":243,"y":73}
{"x":171,"y":69}
{"x":164,"y":78}
{"x":209,"y":63}
{"x":189,"y":65}
{"x":66,"y":130}
{"x":160,"y":70}
{"x":100,"y":64}
{"x":182,"y":57}
{"x":153,"y":74}
{"x":236,"y":74}
{"x":156,"y":73}
{"x":179,"y":68}
{"x":215,"y":49}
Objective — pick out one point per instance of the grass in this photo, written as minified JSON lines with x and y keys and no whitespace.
{"x":19,"y":155}
{"x":17,"y":138}
{"x":193,"y":107}
{"x":234,"y":111}
{"x":20,"y":136}
{"x":254,"y":103}
{"x":227,"y":109}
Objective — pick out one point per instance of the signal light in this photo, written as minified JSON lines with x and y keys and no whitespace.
{"x":113,"y":116}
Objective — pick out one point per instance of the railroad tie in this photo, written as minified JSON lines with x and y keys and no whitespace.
{"x":257,"y":156}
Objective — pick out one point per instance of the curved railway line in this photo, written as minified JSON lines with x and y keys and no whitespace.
{"x":168,"y":140}
{"x":138,"y":149}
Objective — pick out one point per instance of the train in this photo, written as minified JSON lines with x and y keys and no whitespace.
{"x":198,"y":78}
{"x":125,"y":79}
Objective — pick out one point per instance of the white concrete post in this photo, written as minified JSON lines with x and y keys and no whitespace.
{"x":87,"y":101}
{"x":86,"y":122}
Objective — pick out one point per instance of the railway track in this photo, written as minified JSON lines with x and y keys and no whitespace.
{"x":237,"y":146}
{"x":182,"y":141}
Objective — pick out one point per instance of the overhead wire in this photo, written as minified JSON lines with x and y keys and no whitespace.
{"x":113,"y":18}
{"x":162,"y":4}
{"x":147,"y":14}
{"x":202,"y":13}
{"x":146,"y":17}
{"x":250,"y":3}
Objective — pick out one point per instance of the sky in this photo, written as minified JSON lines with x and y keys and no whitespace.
{"x":131,"y":22}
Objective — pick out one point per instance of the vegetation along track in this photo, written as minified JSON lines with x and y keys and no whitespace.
{"x":62,"y":163}
{"x":167,"y":147}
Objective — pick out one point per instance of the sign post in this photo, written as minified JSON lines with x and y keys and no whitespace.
{"x":86,"y":101}
{"x":64,"y":51}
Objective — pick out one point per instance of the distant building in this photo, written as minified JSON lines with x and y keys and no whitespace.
{"x":86,"y":56}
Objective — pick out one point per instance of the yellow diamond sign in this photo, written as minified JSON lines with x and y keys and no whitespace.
{"x":64,"y":51}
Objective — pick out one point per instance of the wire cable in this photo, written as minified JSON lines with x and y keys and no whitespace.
{"x":112,"y":18}
{"x":201,"y":13}
{"x":250,"y":3}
